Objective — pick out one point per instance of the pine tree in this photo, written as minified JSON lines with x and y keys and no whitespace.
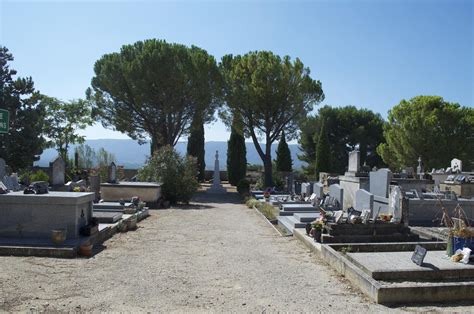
{"x":236,"y":154}
{"x":283,"y":156}
{"x":196,"y":148}
{"x":323,"y":157}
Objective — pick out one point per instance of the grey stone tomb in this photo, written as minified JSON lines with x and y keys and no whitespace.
{"x":216,"y":182}
{"x":380,"y":181}
{"x":354,"y":161}
{"x":58,"y":169}
{"x":364,"y":200}
{"x":337,"y":192}
{"x":14,"y":181}
{"x":318,"y":189}
{"x":112,"y":173}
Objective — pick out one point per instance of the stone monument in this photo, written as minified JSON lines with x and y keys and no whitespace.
{"x":58,"y":169}
{"x":216,"y":181}
{"x":112,"y":173}
{"x":456,"y":165}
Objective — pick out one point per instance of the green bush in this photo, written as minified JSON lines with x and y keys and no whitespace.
{"x":251,"y":202}
{"x":267,"y":210}
{"x":243,"y":187}
{"x":39,"y":175}
{"x":176,"y":174}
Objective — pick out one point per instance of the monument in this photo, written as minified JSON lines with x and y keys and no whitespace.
{"x":216,"y":181}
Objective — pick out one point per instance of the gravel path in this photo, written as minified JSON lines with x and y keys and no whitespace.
{"x":214,"y":256}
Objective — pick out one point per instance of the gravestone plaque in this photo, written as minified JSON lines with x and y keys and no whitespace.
{"x":419,"y":255}
{"x":354,"y":161}
{"x":8,"y":182}
{"x":364,"y":200}
{"x":15,"y":183}
{"x":380,"y":181}
{"x":2,"y":168}
{"x":112,"y":175}
{"x":318,"y":189}
{"x":456,"y":165}
{"x":337,"y":192}
{"x":58,"y":169}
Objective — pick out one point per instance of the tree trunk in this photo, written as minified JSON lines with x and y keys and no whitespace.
{"x":267,"y":164}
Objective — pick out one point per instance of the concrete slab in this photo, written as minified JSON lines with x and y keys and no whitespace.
{"x":398,"y":266}
{"x":107,"y":217}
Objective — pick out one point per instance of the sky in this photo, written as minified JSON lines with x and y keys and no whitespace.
{"x":370,"y":54}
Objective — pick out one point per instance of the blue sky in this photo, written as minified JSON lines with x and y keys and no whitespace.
{"x":369,"y":54}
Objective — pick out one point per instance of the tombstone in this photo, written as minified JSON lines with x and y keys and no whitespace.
{"x":7,"y":180}
{"x":456,"y":165}
{"x":15,"y":183}
{"x":395,"y":203}
{"x":318,"y":190}
{"x":364,"y":200}
{"x":58,"y":169}
{"x":2,"y":168}
{"x":306,"y":189}
{"x":297,"y":187}
{"x":216,"y":182}
{"x":354,"y":161}
{"x":95,"y":185}
{"x":419,"y":170}
{"x":380,"y":181}
{"x":337,"y":193}
{"x":410,"y":171}
{"x":112,"y":173}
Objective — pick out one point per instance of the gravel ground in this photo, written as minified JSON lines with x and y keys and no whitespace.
{"x":213,"y":256}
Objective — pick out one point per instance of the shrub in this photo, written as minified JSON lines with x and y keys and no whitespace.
{"x":267,"y":210}
{"x":40,"y":175}
{"x":176,"y":174}
{"x":251,"y":202}
{"x":243,"y":187}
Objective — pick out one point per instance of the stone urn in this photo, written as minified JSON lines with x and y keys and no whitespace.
{"x":58,"y":236}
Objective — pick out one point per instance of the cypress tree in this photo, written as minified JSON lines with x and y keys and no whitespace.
{"x":283,"y":156}
{"x":196,"y":148}
{"x":323,"y":161}
{"x":236,"y":154}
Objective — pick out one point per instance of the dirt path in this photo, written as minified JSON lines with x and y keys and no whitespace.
{"x":214,"y":256}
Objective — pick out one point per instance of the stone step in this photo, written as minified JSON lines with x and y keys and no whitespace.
{"x":284,"y":221}
{"x":326,"y":238}
{"x":107,"y":217}
{"x":104,"y":206}
{"x":306,"y":217}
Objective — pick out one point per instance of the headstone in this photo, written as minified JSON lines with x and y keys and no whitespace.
{"x":364,"y":200}
{"x":94,"y":182}
{"x":354,"y":161}
{"x":306,"y":189}
{"x":380,"y":181}
{"x":58,"y":169}
{"x":410,"y":171}
{"x":7,"y":180}
{"x":419,"y":255}
{"x":456,"y":165}
{"x":395,"y":204}
{"x":318,"y":189}
{"x":337,"y":192}
{"x":15,"y":183}
{"x":2,"y":168}
{"x":112,"y":173}
{"x":216,"y":182}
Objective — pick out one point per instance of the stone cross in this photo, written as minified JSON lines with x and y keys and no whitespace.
{"x":419,"y":169}
{"x":58,"y":169}
{"x":216,"y":182}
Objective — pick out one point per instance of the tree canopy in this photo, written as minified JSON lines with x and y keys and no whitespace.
{"x":347,"y":128}
{"x":271,"y":94}
{"x":196,"y":146}
{"x":24,"y":142}
{"x":236,"y":154}
{"x":152,"y":89}
{"x":431,"y":128}
{"x":63,"y":121}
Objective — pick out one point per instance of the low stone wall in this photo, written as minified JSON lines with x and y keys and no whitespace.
{"x":147,"y":192}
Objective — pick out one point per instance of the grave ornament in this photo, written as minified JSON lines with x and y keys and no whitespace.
{"x":419,"y":255}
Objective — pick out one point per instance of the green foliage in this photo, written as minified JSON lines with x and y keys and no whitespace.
{"x":252,"y":202}
{"x":39,"y":175}
{"x":278,"y":181}
{"x":24,"y":142}
{"x":323,"y":153}
{"x":254,"y":167}
{"x":196,"y":148}
{"x":346,"y":128}
{"x":270,"y":94}
{"x":177,"y":174}
{"x":63,"y":121}
{"x":431,"y":128}
{"x":243,"y":187}
{"x":267,"y":210}
{"x":153,"y":89}
{"x":87,"y":157}
{"x":236,"y":155}
{"x":283,"y":160}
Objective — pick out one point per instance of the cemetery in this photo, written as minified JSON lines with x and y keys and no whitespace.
{"x":67,"y":219}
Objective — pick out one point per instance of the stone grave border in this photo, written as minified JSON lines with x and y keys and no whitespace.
{"x":379,"y":292}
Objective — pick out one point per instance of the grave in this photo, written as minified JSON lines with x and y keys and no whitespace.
{"x":353,"y":180}
{"x":216,"y":187}
{"x":58,"y":169}
{"x":35,"y":216}
{"x":107,"y":217}
{"x":148,"y":192}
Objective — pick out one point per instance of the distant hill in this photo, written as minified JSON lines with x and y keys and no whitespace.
{"x":132,"y":155}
